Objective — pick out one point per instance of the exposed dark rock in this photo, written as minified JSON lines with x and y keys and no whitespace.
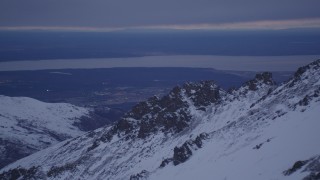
{"x":168,"y":114}
{"x":202,"y":109}
{"x":258,"y":146}
{"x":302,"y":70}
{"x":297,"y":165}
{"x":198,"y":140}
{"x":124,"y":126}
{"x":183,"y":153}
{"x":146,"y":127}
{"x":172,"y":102}
{"x":231,"y":90}
{"x":121,"y":126}
{"x":21,"y":173}
{"x":142,"y":175}
{"x":263,"y":97}
{"x":56,"y":170}
{"x":71,"y":166}
{"x":312,"y":176}
{"x":165,"y":162}
{"x":94,"y":145}
{"x":265,"y":78}
{"x":139,"y":110}
{"x":312,"y":166}
{"x":203,"y":93}
{"x":304,"y":101}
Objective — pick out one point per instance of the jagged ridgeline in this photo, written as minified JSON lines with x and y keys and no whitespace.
{"x":198,"y":130}
{"x":169,"y":114}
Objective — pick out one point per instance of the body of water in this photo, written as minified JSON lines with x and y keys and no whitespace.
{"x":239,"y":63}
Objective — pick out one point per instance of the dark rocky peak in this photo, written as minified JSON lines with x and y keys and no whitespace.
{"x":142,"y":108}
{"x":169,"y":114}
{"x":260,"y":79}
{"x":265,"y":77}
{"x":304,"y":72}
{"x":315,"y":65}
{"x":203,"y":93}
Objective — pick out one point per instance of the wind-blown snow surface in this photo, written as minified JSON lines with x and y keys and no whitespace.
{"x":28,"y":125}
{"x":234,"y":156}
{"x":259,"y":131}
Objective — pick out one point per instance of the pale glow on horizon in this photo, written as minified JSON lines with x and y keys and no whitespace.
{"x":252,"y":25}
{"x":266,"y":24}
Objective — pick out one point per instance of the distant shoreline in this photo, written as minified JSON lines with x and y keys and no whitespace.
{"x":239,"y":63}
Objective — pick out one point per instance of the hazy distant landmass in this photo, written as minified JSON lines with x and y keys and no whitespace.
{"x":238,"y":63}
{"x":40,"y":45}
{"x":114,"y":85}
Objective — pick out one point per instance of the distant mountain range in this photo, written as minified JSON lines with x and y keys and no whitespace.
{"x":259,"y":130}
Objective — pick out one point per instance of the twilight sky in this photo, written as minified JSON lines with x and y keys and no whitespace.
{"x":176,"y":14}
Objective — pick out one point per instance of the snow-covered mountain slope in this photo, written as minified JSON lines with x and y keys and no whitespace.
{"x":29,"y":125}
{"x":259,"y":131}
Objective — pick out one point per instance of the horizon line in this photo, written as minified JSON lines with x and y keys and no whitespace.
{"x":248,"y":25}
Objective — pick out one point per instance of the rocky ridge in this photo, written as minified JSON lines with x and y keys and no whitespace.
{"x":161,"y":137}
